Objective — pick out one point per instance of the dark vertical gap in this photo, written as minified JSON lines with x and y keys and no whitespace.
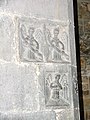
{"x":78,"y":59}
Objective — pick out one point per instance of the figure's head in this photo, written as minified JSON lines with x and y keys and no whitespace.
{"x":31,"y":31}
{"x":56,"y":32}
{"x":57,"y":77}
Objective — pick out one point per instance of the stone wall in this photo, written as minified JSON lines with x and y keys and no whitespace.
{"x":84,"y":36}
{"x":38,"y":72}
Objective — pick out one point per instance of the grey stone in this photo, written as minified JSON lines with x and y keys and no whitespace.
{"x":67,"y":114}
{"x":76,"y":114}
{"x":43,"y":40}
{"x":6,"y":38}
{"x":72,"y":44}
{"x":45,"y":115}
{"x":70,"y":12}
{"x":3,"y":3}
{"x":55,"y":86}
{"x":75,"y":88}
{"x":18,"y":87}
{"x":44,"y":9}
{"x":37,"y":52}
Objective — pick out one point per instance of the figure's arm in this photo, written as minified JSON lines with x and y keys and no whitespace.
{"x":23,"y":32}
{"x":60,"y":86}
{"x":35,"y":49}
{"x":62,"y":44}
{"x":53,"y":85}
{"x":37,"y":45}
{"x":52,"y":43}
{"x":34,"y":46}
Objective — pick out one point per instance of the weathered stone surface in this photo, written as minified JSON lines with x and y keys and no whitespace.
{"x":6,"y":38}
{"x":36,"y":55}
{"x":45,"y":115}
{"x":18,"y":87}
{"x":55,"y":86}
{"x":43,"y":40}
{"x":2,"y":2}
{"x":67,"y":114}
{"x":44,"y":9}
{"x":76,"y":114}
{"x":72,"y":44}
{"x":75,"y":88}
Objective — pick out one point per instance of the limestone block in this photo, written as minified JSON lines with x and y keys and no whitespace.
{"x":75,"y":88}
{"x":70,"y":12}
{"x":45,"y":115}
{"x":76,"y":114}
{"x":37,"y":51}
{"x":72,"y":44}
{"x":45,"y":9}
{"x":67,"y":114}
{"x":43,"y":40}
{"x":18,"y":87}
{"x":7,"y":31}
{"x":55,"y":87}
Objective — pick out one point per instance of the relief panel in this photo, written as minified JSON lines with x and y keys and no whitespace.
{"x":43,"y":41}
{"x":31,"y":40}
{"x":57,"y":87}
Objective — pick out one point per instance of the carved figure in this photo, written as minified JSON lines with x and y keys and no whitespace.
{"x":55,"y":88}
{"x":56,"y":47}
{"x":30,"y":45}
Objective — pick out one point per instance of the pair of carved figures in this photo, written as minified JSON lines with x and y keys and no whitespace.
{"x":53,"y":51}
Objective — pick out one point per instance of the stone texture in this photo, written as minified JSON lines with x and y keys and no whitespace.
{"x":51,"y":97}
{"x":76,"y":114}
{"x":42,"y":48}
{"x":49,"y":115}
{"x":19,"y":86}
{"x":44,"y":9}
{"x":7,"y":30}
{"x":67,"y":114}
{"x":75,"y":88}
{"x":36,"y":58}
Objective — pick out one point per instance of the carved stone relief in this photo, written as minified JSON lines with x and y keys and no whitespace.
{"x":43,"y":41}
{"x":57,"y":88}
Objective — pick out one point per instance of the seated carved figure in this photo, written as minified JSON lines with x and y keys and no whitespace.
{"x":55,"y":88}
{"x":31,"y":47}
{"x":56,"y":47}
{"x":57,"y":44}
